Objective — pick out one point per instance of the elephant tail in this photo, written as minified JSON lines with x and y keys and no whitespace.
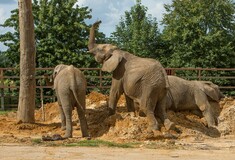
{"x":74,"y":88}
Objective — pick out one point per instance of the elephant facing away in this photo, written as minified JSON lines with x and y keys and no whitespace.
{"x":195,"y":96}
{"x":142,"y":80}
{"x":70,"y":88}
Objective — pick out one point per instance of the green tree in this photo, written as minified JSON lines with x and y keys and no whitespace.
{"x":60,"y":31}
{"x":137,"y":32}
{"x":11,"y":40}
{"x":200,"y":33}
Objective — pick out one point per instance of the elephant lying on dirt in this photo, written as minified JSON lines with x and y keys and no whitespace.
{"x":70,"y":87}
{"x":142,"y":80}
{"x":194,"y":95}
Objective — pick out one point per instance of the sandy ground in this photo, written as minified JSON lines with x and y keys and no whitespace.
{"x":217,"y":150}
{"x":190,"y":140}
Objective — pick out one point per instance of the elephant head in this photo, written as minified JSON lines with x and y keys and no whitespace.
{"x":104,"y":53}
{"x":57,"y":69}
{"x":212,"y":90}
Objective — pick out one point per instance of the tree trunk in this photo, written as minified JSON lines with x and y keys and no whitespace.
{"x":26,"y":104}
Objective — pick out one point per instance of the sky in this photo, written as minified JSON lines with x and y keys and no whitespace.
{"x":109,"y":11}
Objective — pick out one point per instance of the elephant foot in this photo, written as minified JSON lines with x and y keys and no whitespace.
{"x":88,"y":137}
{"x":86,"y":134}
{"x":169,"y":125}
{"x":67,"y":136}
{"x":210,"y":124}
{"x":152,"y":128}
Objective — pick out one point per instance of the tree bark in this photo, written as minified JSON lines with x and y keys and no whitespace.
{"x":26,"y":104}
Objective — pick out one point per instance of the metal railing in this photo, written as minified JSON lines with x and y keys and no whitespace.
{"x":101,"y":81}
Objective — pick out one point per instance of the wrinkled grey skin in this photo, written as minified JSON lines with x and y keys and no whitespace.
{"x":142,"y":80}
{"x":198,"y":96}
{"x":70,"y":87}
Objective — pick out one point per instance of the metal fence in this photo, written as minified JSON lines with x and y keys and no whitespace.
{"x":100,"y":81}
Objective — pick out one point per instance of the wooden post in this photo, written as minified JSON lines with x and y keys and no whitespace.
{"x":199,"y":74}
{"x":42,"y":102}
{"x":26,"y":104}
{"x":2,"y":89}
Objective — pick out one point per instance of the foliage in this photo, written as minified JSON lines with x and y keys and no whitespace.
{"x":200,"y":33}
{"x":137,"y":32}
{"x":37,"y":141}
{"x":11,"y":40}
{"x":4,"y":112}
{"x":61,"y":34}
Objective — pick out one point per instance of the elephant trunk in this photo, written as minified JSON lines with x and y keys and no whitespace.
{"x":91,"y":42}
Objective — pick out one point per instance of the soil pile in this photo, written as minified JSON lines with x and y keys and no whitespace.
{"x":227,"y":117}
{"x":123,"y":126}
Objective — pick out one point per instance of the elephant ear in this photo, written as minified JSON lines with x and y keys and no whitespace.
{"x":111,"y":64}
{"x":210,"y":91}
{"x":57,"y":69}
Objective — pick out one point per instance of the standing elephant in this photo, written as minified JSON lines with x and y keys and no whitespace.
{"x":194,"y":95}
{"x":70,"y":88}
{"x":142,"y":80}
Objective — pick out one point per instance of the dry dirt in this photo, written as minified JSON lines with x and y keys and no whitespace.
{"x":190,"y":138}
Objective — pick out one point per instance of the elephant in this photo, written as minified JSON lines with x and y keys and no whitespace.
{"x":143,"y":81}
{"x":70,"y":87}
{"x":198,"y":96}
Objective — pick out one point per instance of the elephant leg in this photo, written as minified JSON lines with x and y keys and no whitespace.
{"x":161,"y":113}
{"x":147,"y":105}
{"x":152,"y":122}
{"x":205,"y":107}
{"x":82,"y":118}
{"x":115,"y":93}
{"x":129,"y":104}
{"x":68,"y":116}
{"x":138,"y":111}
{"x":207,"y":113}
{"x":62,"y":116}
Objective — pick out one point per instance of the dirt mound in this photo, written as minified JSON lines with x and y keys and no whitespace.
{"x":49,"y":113}
{"x":123,"y":126}
{"x":97,"y":100}
{"x":227,"y":117}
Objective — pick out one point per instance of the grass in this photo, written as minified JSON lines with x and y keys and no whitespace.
{"x":37,"y":141}
{"x":86,"y":143}
{"x":4,"y":112}
{"x":101,"y":143}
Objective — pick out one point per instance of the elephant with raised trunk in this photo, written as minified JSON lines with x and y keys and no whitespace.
{"x":142,"y":80}
{"x":70,"y":88}
{"x":202,"y":97}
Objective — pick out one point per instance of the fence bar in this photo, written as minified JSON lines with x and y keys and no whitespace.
{"x":198,"y":74}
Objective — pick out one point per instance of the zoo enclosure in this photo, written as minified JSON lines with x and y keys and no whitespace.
{"x":101,"y":81}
